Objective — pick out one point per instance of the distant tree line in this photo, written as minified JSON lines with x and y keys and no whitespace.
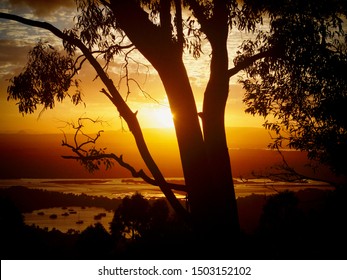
{"x":28,"y":200}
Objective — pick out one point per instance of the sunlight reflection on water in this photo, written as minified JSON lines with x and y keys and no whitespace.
{"x":119,"y":188}
{"x":76,"y":218}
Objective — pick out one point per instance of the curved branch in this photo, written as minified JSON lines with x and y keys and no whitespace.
{"x":119,"y":159}
{"x":78,"y":65}
{"x":84,"y":156}
{"x":118,"y":101}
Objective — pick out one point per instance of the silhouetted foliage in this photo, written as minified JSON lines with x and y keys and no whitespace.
{"x":11,"y":228}
{"x":10,"y":216}
{"x":131,"y":218}
{"x":158,"y":213}
{"x":309,"y":224}
{"x":94,"y":243}
{"x":20,"y":241}
{"x":147,"y":229}
{"x":281,"y":216}
{"x":303,"y":85}
{"x":47,"y":77}
{"x":294,"y":73}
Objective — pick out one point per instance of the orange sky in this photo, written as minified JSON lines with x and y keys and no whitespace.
{"x":30,"y":145}
{"x":16,"y":39}
{"x":39,"y":155}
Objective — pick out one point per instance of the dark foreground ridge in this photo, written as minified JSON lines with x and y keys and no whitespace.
{"x":309,"y":224}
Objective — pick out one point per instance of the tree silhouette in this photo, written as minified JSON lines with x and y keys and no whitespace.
{"x":161,"y":31}
{"x":283,"y":226}
{"x":12,"y":225}
{"x":131,"y":218}
{"x":304,"y":87}
{"x":94,"y":242}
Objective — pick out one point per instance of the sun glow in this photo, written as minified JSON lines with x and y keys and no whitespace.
{"x":158,"y":117}
{"x":163,"y":117}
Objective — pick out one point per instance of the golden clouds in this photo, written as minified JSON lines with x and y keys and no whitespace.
{"x":43,"y":7}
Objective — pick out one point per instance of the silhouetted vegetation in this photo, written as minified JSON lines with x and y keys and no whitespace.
{"x":131,"y":219}
{"x":308,"y":224}
{"x":28,"y":200}
{"x":94,"y":243}
{"x":294,"y":73}
{"x":303,"y":85}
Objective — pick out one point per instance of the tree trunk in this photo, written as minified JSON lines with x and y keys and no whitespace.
{"x":205,"y":162}
{"x":190,"y":139}
{"x":215,"y":99}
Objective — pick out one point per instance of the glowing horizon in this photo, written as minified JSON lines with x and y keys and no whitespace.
{"x":16,"y":39}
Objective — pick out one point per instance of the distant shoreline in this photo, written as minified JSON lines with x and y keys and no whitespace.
{"x":78,"y":181}
{"x":250,"y":206}
{"x":120,"y":187}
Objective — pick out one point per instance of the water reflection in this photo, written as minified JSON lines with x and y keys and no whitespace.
{"x":64,"y":219}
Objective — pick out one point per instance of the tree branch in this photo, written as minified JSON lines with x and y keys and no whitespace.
{"x":118,"y":101}
{"x":165,"y":18}
{"x":179,"y":24}
{"x":141,"y":31}
{"x":249,"y":61}
{"x":284,"y":172}
{"x":84,"y":155}
{"x":119,"y":159}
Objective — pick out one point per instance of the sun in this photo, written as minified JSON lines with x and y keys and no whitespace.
{"x":156,"y":116}
{"x":162,"y":117}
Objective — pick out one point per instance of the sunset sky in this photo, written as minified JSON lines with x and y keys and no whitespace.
{"x":25,"y":154}
{"x":16,"y":39}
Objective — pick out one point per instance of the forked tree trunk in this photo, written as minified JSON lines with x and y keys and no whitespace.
{"x":205,"y":162}
{"x":205,"y":159}
{"x":190,"y":139}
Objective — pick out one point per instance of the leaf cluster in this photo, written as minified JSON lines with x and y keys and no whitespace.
{"x":97,"y":28}
{"x":99,"y":160}
{"x":47,"y":77}
{"x":303,"y":85}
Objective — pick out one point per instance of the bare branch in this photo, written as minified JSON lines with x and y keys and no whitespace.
{"x":126,"y":76}
{"x":286,"y":173}
{"x":104,"y":91}
{"x":119,"y":159}
{"x":88,"y":156}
